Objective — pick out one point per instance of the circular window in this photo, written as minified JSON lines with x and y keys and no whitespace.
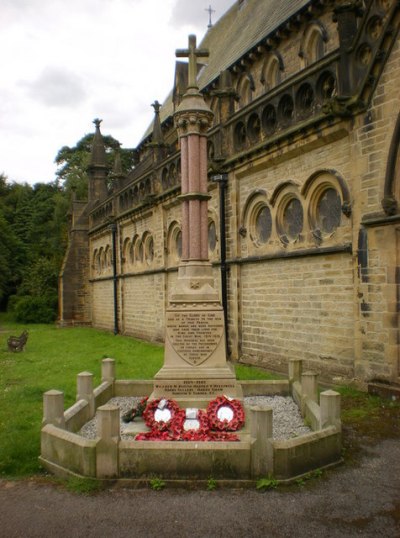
{"x":240,"y":135}
{"x":212,"y":236}
{"x":263,"y":224}
{"x":364,"y":54}
{"x":292,"y":219}
{"x":305,"y":99}
{"x":326,"y":85}
{"x":329,"y":208}
{"x":286,"y":108}
{"x":269,"y":119}
{"x":374,"y":27}
{"x":254,"y":127}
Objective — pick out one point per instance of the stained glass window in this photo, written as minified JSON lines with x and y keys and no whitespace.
{"x":329,"y":210}
{"x":293,"y":218}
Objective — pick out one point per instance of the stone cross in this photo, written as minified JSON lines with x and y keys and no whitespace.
{"x":192,"y":53}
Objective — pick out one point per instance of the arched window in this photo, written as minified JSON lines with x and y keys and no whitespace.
{"x":313,"y":43}
{"x":272,"y":70}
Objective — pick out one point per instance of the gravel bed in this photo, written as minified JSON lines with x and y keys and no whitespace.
{"x":287,"y":422}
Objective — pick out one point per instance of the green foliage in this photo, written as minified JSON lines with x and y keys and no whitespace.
{"x":33,"y":238}
{"x":211,"y":484}
{"x":244,"y":372}
{"x":51,"y":360}
{"x":264,"y":484}
{"x":74,"y":161}
{"x":157,"y":484}
{"x":83,"y":486}
{"x":35,"y":309}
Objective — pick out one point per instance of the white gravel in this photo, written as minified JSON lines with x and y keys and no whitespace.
{"x":287,"y":420}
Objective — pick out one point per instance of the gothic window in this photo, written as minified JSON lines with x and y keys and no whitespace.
{"x":125,"y":250}
{"x":148,"y":248}
{"x":178,"y":244}
{"x":271,"y":73}
{"x":313,"y":43}
{"x":174,"y":243}
{"x":212,"y":236}
{"x":245,"y":88}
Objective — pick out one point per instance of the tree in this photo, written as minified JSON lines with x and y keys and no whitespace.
{"x":74,"y":161}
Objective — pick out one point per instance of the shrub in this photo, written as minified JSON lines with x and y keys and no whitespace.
{"x":35,"y":309}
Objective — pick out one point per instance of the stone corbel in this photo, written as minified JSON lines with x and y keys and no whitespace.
{"x":389,"y":204}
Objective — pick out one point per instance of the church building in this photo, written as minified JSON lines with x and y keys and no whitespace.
{"x":304,"y":187}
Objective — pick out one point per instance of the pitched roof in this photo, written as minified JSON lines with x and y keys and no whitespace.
{"x":244,"y":25}
{"x":240,"y":29}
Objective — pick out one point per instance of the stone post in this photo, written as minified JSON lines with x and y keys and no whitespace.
{"x":295,"y":366}
{"x":85,"y":390}
{"x":330,"y":408}
{"x":309,"y":386}
{"x":261,"y":448}
{"x":107,"y":460}
{"x":108,"y":370}
{"x":53,"y":408}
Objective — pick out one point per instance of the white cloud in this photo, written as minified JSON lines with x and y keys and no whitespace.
{"x":65,"y":63}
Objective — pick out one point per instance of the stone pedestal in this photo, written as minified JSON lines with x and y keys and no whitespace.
{"x":195,"y":368}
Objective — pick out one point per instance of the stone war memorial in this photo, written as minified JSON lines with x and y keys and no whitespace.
{"x":193,"y":421}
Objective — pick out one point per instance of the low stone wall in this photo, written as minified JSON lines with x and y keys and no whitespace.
{"x":255,"y":455}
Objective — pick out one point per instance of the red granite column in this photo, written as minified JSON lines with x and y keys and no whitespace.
{"x":185,"y":205}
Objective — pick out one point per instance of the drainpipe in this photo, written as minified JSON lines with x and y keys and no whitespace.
{"x":222,"y":180}
{"x":113,"y":228}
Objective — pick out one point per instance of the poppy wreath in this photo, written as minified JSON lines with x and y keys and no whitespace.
{"x":151,"y":408}
{"x":225,"y":425}
{"x":178,"y":432}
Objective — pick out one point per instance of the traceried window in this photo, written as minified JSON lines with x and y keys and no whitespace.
{"x":263,"y":224}
{"x":292,"y":219}
{"x":328,"y":211}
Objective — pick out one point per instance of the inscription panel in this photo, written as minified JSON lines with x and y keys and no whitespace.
{"x":195,"y":335}
{"x":195,"y":387}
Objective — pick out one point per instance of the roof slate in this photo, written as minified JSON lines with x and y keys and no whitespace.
{"x":235,"y":33}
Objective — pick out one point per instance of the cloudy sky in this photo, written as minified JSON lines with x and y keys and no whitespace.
{"x":65,"y":62}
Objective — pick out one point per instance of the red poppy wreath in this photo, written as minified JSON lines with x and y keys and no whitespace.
{"x":225,"y":414}
{"x":159,"y":414}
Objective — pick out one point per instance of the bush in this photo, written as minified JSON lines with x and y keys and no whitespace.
{"x":35,"y":309}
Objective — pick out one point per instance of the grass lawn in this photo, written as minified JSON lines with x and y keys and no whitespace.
{"x":52,"y":359}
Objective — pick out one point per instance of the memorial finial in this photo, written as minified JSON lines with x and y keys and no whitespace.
{"x":210,"y":12}
{"x":97,"y":123}
{"x":192,"y":53}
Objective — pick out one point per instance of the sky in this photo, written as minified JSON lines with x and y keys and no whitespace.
{"x":66,"y":62}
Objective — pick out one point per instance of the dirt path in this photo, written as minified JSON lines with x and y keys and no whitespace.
{"x":358,"y":500}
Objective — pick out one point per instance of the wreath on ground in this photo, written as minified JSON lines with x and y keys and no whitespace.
{"x":168,"y":422}
{"x":225,"y":414}
{"x":159,"y":414}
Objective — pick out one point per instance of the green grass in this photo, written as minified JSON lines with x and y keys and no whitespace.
{"x":244,"y":373}
{"x":52,"y":359}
